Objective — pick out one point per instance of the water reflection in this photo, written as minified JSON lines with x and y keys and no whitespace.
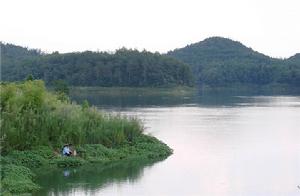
{"x":217,"y":98}
{"x":90,"y":178}
{"x":223,"y":145}
{"x":66,"y":172}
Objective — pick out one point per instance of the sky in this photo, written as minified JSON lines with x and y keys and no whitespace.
{"x":268,"y":26}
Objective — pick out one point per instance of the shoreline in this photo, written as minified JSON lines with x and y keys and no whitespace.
{"x":19,"y":167}
{"x":36,"y":124}
{"x":184,"y":90}
{"x":145,"y":91}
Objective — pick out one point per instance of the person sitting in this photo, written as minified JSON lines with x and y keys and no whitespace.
{"x":66,"y":151}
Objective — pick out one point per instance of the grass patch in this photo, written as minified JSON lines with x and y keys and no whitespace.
{"x":17,"y":179}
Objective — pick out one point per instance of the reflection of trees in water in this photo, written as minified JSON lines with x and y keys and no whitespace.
{"x":128,"y":100}
{"x":216,"y":97}
{"x":107,"y":101}
{"x":90,"y":177}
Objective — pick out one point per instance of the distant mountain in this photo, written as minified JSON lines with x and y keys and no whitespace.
{"x":215,"y":61}
{"x":295,"y":58}
{"x":218,"y":61}
{"x":123,"y":68}
{"x":216,"y":49}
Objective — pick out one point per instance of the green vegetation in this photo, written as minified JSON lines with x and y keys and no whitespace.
{"x":291,"y":74}
{"x":32,"y":117}
{"x":61,"y":87}
{"x":91,"y":176}
{"x":215,"y":62}
{"x":136,"y":91}
{"x":218,"y":61}
{"x":17,"y":166}
{"x":123,"y":68}
{"x":35,"y":124}
{"x":17,"y":179}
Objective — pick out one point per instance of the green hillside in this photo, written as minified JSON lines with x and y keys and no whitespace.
{"x":219,"y":61}
{"x":215,"y":61}
{"x":123,"y":68}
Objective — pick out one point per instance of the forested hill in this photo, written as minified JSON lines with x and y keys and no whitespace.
{"x":294,"y":59}
{"x":123,"y":68}
{"x":219,"y":61}
{"x":214,"y":61}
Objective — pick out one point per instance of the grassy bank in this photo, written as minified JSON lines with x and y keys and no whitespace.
{"x":18,"y":166}
{"x":35,"y":124}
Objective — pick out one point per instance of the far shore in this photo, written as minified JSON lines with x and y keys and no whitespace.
{"x":187,"y":91}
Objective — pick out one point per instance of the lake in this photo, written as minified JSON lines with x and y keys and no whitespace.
{"x":224,"y":144}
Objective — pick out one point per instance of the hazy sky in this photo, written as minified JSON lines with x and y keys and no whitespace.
{"x":268,"y":26}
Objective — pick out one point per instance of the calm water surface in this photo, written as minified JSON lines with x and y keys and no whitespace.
{"x":223,"y":145}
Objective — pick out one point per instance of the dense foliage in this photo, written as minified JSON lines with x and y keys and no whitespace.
{"x":31,"y":116}
{"x":218,"y":61}
{"x":215,"y":61}
{"x":291,"y":73}
{"x":122,"y":68}
{"x":35,"y":124}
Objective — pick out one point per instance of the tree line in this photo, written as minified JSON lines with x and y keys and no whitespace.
{"x":125,"y":67}
{"x":219,"y":61}
{"x":215,"y":61}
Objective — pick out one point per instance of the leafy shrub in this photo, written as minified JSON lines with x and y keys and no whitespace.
{"x":27,"y":159}
{"x":17,"y":179}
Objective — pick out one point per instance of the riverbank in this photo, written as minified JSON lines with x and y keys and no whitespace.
{"x":18,"y":167}
{"x":181,"y":91}
{"x":35,"y":124}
